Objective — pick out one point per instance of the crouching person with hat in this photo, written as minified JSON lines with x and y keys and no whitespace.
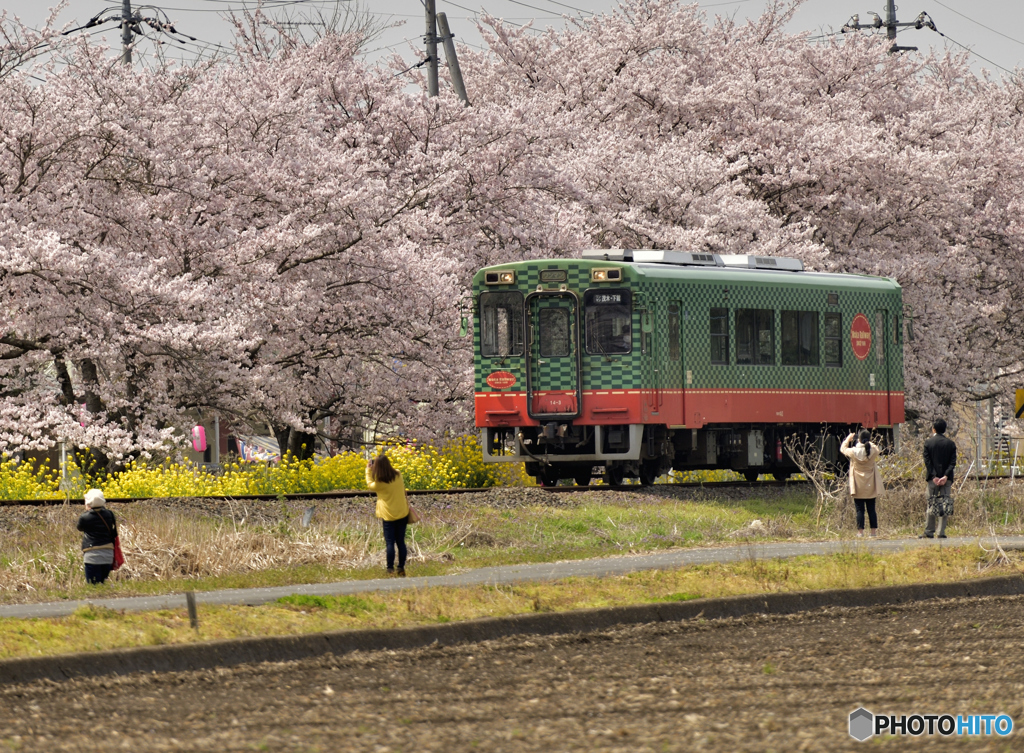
{"x":99,"y":529}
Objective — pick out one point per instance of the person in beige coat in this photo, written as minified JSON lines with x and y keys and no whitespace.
{"x":865,"y":478}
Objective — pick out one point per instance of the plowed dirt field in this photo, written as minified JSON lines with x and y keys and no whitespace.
{"x":757,"y":684}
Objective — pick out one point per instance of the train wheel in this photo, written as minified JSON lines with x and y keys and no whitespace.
{"x":582,"y":478}
{"x":648,"y":473}
{"x":547,"y":477}
{"x":781,"y":475}
{"x":751,"y":475}
{"x":613,"y":475}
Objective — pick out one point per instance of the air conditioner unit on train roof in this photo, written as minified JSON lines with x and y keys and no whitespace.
{"x":762,"y":262}
{"x":653,"y":256}
{"x":688,"y":259}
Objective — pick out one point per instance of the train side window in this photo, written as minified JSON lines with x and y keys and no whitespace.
{"x":755,"y":337}
{"x":720,"y":336}
{"x":609,"y":321}
{"x":501,"y":324}
{"x":673,"y":332}
{"x":833,"y":339}
{"x":554,"y":332}
{"x":799,"y":338}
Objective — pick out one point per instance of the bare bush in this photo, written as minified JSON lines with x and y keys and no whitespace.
{"x":980,"y":505}
{"x":830,"y":482}
{"x":164,"y":543}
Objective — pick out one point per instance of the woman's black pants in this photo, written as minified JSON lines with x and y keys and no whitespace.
{"x":97,"y":573}
{"x":872,"y":516}
{"x":394,"y":536}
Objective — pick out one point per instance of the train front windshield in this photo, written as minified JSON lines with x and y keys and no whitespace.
{"x":609,"y":321}
{"x":501,"y":324}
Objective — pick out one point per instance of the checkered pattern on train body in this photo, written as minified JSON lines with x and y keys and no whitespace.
{"x":600,"y":372}
{"x":696,"y":295}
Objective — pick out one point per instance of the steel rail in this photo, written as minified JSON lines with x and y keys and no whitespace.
{"x":416,"y":492}
{"x":411,"y":492}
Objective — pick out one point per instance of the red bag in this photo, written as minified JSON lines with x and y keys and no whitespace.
{"x":118,"y":554}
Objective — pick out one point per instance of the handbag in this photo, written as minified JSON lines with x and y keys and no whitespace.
{"x":940,"y":506}
{"x":414,"y":517}
{"x":118,"y":554}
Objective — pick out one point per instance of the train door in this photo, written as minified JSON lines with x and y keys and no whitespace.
{"x":651,"y":348}
{"x":882,"y":367}
{"x":673,"y":368}
{"x":553,"y":357}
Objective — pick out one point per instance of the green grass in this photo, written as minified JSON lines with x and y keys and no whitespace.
{"x":93,"y":628}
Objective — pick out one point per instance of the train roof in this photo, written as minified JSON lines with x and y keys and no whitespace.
{"x":792,"y":279}
{"x":738,"y":268}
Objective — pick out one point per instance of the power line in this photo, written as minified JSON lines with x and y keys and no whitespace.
{"x":271,"y":3}
{"x":719,"y":5}
{"x":476,"y":16}
{"x":555,"y":2}
{"x":989,"y":28}
{"x":946,"y":36}
{"x":390,"y":46}
{"x":543,"y":10}
{"x":241,"y":5}
{"x":414,"y":65}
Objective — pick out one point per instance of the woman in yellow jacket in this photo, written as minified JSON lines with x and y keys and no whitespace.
{"x":865,"y":478}
{"x":392,"y":508}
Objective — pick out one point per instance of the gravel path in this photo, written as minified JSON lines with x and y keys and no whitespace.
{"x":757,"y":684}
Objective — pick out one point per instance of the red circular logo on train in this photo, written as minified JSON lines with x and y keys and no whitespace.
{"x":501,"y":380}
{"x":860,"y":336}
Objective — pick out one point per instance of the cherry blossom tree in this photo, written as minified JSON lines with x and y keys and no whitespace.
{"x":723,"y":136}
{"x":285,"y":238}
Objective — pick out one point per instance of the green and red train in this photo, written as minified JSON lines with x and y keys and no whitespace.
{"x":643,"y":361}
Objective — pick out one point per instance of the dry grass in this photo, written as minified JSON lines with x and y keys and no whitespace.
{"x":981,"y":506}
{"x":162,"y":544}
{"x":186,"y":545}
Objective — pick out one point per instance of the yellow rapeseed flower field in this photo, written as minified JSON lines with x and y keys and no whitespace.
{"x":454,"y":464}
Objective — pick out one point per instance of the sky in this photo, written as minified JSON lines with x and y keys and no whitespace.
{"x":992,"y":30}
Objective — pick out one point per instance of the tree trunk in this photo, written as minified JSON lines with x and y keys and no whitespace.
{"x":298,"y":444}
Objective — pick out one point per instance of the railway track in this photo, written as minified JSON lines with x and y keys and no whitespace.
{"x":420,"y":492}
{"x":412,"y":492}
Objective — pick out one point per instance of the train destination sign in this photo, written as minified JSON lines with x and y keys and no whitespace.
{"x":860,"y":336}
{"x":501,"y":380}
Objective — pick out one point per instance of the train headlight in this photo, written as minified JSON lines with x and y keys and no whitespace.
{"x":605,"y":275}
{"x":500,"y":278}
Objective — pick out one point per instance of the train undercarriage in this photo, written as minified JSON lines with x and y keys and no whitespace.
{"x":555,"y":451}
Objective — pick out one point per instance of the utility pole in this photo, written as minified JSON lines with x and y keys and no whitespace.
{"x":451,"y":59}
{"x":431,"y":43}
{"x":126,"y":32}
{"x":890,"y":28}
{"x":891,"y":25}
{"x":131,"y":26}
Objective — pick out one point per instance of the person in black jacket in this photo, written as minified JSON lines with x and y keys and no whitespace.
{"x":99,"y":528}
{"x":939,"y":462}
